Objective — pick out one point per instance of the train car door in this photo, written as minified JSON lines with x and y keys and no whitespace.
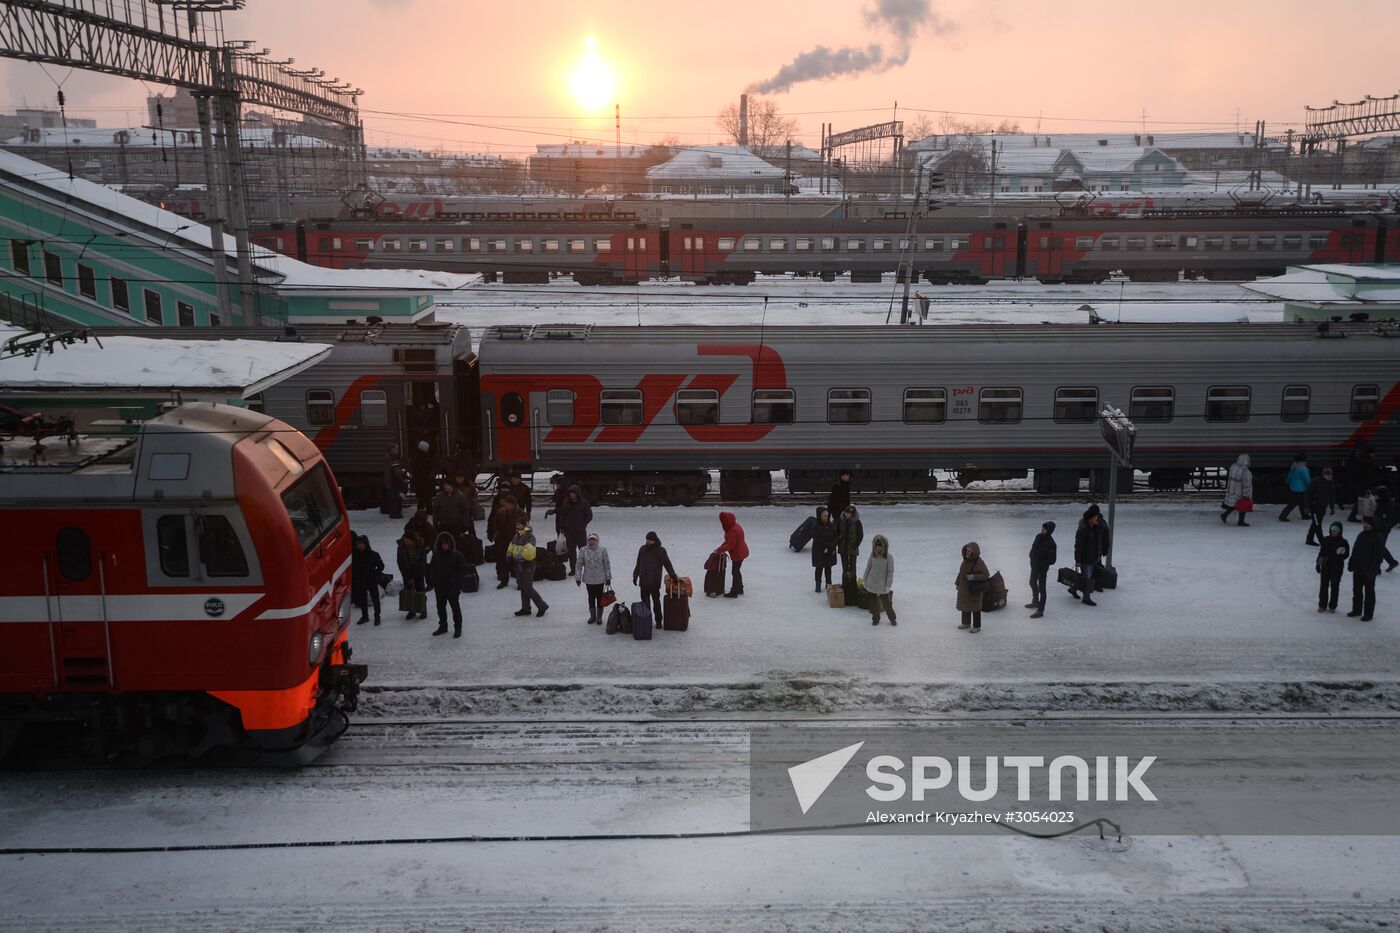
{"x":994,"y":252}
{"x":513,"y":441}
{"x":634,"y":258}
{"x":75,"y":589}
{"x":1049,"y":258}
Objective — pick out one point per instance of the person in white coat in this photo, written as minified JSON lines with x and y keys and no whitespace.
{"x":879,"y":580}
{"x":1239,"y":485}
{"x":595,"y":573}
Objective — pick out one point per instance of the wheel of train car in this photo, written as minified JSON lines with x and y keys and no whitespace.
{"x":684,"y":494}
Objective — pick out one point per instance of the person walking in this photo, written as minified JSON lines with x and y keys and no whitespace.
{"x":574,"y":524}
{"x":412,"y":559}
{"x":1088,"y":548}
{"x":1331,"y":561}
{"x":1043,"y":556}
{"x":849,"y":535}
{"x":971,"y":571}
{"x":1239,"y":490}
{"x":365,"y":568}
{"x":446,"y":571}
{"x":1365,"y":565}
{"x":823,"y":548}
{"x":1386,"y":515}
{"x":646,"y":574}
{"x":594,"y":572}
{"x":394,"y":477}
{"x":737,"y":548}
{"x":879,"y":580}
{"x":500,"y":528}
{"x":1299,"y":479}
{"x":1361,"y":475}
{"x":840,"y":496}
{"x":452,"y":513}
{"x":1322,"y":500}
{"x":522,"y":551}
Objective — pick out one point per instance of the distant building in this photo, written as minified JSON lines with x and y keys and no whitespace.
{"x":716,"y":171}
{"x":22,"y":121}
{"x":583,"y":167}
{"x":177,"y":111}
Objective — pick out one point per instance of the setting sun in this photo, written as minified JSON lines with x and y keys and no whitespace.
{"x":592,"y":82}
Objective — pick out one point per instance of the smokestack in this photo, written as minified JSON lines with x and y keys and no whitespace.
{"x":743,"y":119}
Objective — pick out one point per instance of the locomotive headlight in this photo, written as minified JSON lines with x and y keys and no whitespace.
{"x":343,"y":613}
{"x":317,"y":642}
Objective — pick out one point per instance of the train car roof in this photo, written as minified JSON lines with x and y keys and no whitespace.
{"x":434,"y":333}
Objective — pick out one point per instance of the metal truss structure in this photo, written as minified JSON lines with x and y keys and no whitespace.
{"x":1360,"y":118}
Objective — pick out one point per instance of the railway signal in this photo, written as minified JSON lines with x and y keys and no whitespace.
{"x":1119,"y":433}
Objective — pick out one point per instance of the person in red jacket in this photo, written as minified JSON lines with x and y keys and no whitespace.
{"x":735,"y":547}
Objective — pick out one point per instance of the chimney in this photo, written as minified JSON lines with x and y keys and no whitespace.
{"x":743,"y":119}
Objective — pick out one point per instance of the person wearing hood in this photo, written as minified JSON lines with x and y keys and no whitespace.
{"x":972,"y":570}
{"x":594,"y":572}
{"x":879,"y":580}
{"x":1044,"y":553}
{"x":840,"y":496}
{"x":735,"y":546}
{"x":849,"y":535}
{"x":1331,"y":561}
{"x":500,"y":528}
{"x":413,"y":564}
{"x":823,"y":548}
{"x":1088,"y":548}
{"x":573,"y":522}
{"x":1322,"y":500}
{"x":522,"y":551}
{"x":1239,"y":485}
{"x":652,"y":559}
{"x":1299,"y":479}
{"x":1367,"y":554}
{"x":365,"y":568}
{"x":446,"y":571}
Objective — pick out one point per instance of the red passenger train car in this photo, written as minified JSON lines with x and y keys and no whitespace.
{"x":173,"y":592}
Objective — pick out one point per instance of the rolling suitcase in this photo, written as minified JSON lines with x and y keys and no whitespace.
{"x":473,"y":550}
{"x":715,"y":569}
{"x":799,"y":538}
{"x":835,"y":596}
{"x":675,"y":605}
{"x":642,"y":622}
{"x":406,"y":600}
{"x":471,"y":581}
{"x":553,"y":571}
{"x":1105,"y":578}
{"x":489,"y":553}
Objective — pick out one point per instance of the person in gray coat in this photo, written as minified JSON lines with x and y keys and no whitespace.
{"x":879,"y":580}
{"x":594,"y":572}
{"x":1239,"y":486}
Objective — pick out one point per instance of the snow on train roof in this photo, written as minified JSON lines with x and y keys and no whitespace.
{"x":232,"y":368}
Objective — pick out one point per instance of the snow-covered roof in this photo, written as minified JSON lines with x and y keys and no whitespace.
{"x":1115,"y":158}
{"x":230,"y":368}
{"x":1332,"y":283}
{"x":585,"y":150}
{"x":1087,"y":140}
{"x":1011,"y":161}
{"x":138,"y":138}
{"x":715,"y":162}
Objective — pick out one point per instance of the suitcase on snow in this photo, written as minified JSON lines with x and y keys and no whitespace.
{"x":554,"y":571}
{"x":1068,"y":576}
{"x":799,"y":538}
{"x":642,"y":622}
{"x":675,"y":604}
{"x":413,"y":602}
{"x":994,"y":596}
{"x":619,"y":620}
{"x":471,"y":581}
{"x":1105,"y":578}
{"x":714,"y":578}
{"x":835,"y":596}
{"x":472,"y":549}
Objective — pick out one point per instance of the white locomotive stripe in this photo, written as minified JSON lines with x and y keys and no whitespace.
{"x":145,"y":607}
{"x":307,"y":606}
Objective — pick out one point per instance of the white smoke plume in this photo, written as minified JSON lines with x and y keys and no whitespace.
{"x":901,"y":19}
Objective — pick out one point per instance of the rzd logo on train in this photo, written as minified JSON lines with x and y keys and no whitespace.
{"x":214,"y":607}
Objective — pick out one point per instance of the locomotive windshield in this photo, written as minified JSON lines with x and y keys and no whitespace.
{"x":313,"y":508}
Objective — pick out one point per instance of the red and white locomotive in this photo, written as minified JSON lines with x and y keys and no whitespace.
{"x":176,"y":591}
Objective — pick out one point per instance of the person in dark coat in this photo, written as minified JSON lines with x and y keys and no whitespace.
{"x":652,"y":559}
{"x":423,"y":471}
{"x":849,"y":534}
{"x":513,"y":486}
{"x":1088,"y":548}
{"x":1367,"y":554}
{"x":446,"y":571}
{"x":840,"y":496}
{"x":1331,"y":561}
{"x":394,"y":477}
{"x":1385,"y":520}
{"x":413,"y":565}
{"x":1044,"y":553}
{"x":560,"y":493}
{"x":574,"y":524}
{"x":1322,"y":500}
{"x":522,"y":550}
{"x":500,"y":528}
{"x":452,"y":514}
{"x":461,"y":464}
{"x":737,"y":548}
{"x":365,"y":568}
{"x":972,"y":570}
{"x":823,"y":548}
{"x":466,"y":488}
{"x":1361,"y":475}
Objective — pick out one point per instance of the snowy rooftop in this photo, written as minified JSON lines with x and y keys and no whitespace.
{"x":1112,"y":158}
{"x":138,"y":138}
{"x":1086,"y":140}
{"x":1332,"y":284}
{"x":231,"y":368}
{"x":582,"y":150}
{"x":715,"y":162}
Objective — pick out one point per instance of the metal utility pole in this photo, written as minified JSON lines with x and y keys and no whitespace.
{"x":617,"y":150}
{"x":992,"y":201}
{"x":237,"y":189}
{"x":787,"y":180}
{"x":1119,"y":435}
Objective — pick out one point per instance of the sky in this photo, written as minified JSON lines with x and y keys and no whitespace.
{"x":479,"y":77}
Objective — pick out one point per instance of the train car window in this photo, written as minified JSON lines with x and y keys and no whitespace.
{"x":957,"y":242}
{"x":1137,"y":242}
{"x":498,"y":245}
{"x":1364,"y":401}
{"x":184,"y":312}
{"x":848,"y":406}
{"x":1264,"y":242}
{"x":642,"y":243}
{"x":1045,"y":242}
{"x":445,"y":246}
{"x":1152,"y":404}
{"x":697,"y":406}
{"x":335,"y":243}
{"x":777,"y":244}
{"x":880,"y":243}
{"x":621,"y":406}
{"x":1108,"y":242}
{"x":774,"y":406}
{"x":528,"y":246}
{"x":417,"y":246}
{"x":1163,"y":242}
{"x":1215,"y":242}
{"x":172,"y":545}
{"x":120,"y":299}
{"x":726,"y":242}
{"x":19,"y":256}
{"x":474,"y":244}
{"x":1317,"y":241}
{"x":392,"y":245}
{"x":925,"y":406}
{"x":320,"y":407}
{"x":1296,"y":402}
{"x":986,"y":242}
{"x":1083,"y":242}
{"x":999,"y":406}
{"x":903,"y":244}
{"x":220,"y":551}
{"x":374,"y":408}
{"x":1076,"y":405}
{"x":1239,"y":242}
{"x":214,"y":319}
{"x":828,"y":243}
{"x":752,"y":244}
{"x":855,"y":245}
{"x":312,"y":506}
{"x":168,"y":467}
{"x":1293,"y":242}
{"x":74,"y":552}
{"x":803,"y":243}
{"x":1189,"y":241}
{"x":53,"y":268}
{"x":578,"y":246}
{"x":688,"y":243}
{"x":602,"y":246}
{"x":87,"y":281}
{"x":325,"y":242}
{"x":559,"y":406}
{"x":154,"y":312}
{"x":364,"y":244}
{"x":1227,"y":403}
{"x":934,"y":245}
{"x":549,"y":245}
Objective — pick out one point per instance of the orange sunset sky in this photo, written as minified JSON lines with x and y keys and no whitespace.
{"x":496,"y":76}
